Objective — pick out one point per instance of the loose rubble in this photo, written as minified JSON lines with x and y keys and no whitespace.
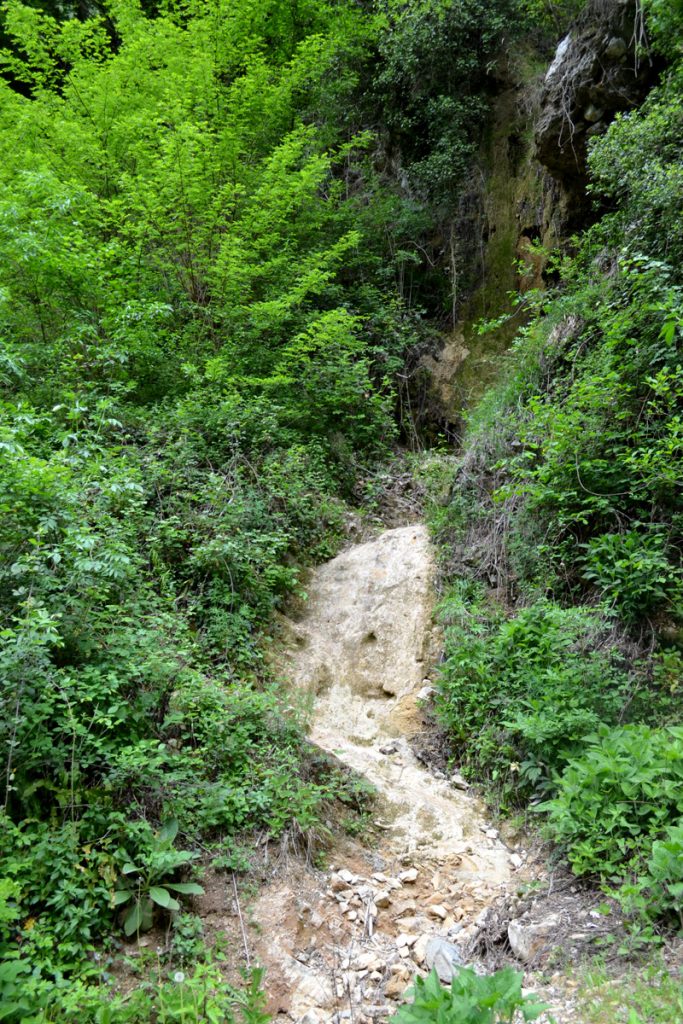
{"x":346,"y":944}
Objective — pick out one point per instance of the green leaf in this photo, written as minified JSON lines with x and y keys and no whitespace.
{"x":11,"y":969}
{"x":186,"y":888}
{"x":130,"y":869}
{"x":9,"y":1009}
{"x":133,"y":920}
{"x":163,"y":898}
{"x":120,"y":897}
{"x":168,"y":831}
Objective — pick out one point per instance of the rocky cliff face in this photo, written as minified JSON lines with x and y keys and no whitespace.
{"x":528,"y":188}
{"x":512,"y":211}
{"x":601,"y":67}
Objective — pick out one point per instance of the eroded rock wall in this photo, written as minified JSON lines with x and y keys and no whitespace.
{"x":527,"y":191}
{"x":600,"y":68}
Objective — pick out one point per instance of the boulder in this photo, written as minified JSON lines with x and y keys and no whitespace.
{"x":527,"y":938}
{"x":443,"y":957}
{"x":408,"y":876}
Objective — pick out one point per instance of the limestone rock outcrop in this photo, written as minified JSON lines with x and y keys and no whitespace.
{"x":600,"y":68}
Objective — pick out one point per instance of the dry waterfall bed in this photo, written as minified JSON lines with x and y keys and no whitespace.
{"x":434,"y":885}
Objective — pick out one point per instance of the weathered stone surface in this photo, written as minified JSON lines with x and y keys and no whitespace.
{"x":443,"y":956}
{"x":395,"y":987}
{"x":528,"y":938}
{"x":312,"y":1017}
{"x":595,"y":74}
{"x":391,"y":747}
{"x":369,"y":612}
{"x":426,"y":693}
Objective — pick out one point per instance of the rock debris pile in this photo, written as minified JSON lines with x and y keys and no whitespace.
{"x":345,"y":944}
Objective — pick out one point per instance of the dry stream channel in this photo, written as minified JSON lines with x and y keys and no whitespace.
{"x":343,"y":944}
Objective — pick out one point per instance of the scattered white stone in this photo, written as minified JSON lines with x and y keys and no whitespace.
{"x":438,"y":910}
{"x":352,"y":915}
{"x":406,"y":939}
{"x":492,"y":833}
{"x":459,"y":782}
{"x":382,"y":898}
{"x":420,"y":948}
{"x":408,"y":876}
{"x":309,"y":1018}
{"x":426,"y":693}
{"x":516,"y":860}
{"x":368,"y":962}
{"x":347,"y":876}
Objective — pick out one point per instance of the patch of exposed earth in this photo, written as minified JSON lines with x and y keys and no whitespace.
{"x":345,"y":943}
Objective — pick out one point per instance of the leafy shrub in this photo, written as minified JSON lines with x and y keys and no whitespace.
{"x":552,"y":14}
{"x":470,"y":999}
{"x":633,"y":572}
{"x":518,"y":695}
{"x":664,"y":875}
{"x":429,"y":85}
{"x":145,"y":886}
{"x":619,"y":797}
{"x":199,"y":993}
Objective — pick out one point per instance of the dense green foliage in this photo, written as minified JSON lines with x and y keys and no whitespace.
{"x":209,"y":280}
{"x":430,"y":86}
{"x":568,"y":501}
{"x":221,"y":227}
{"x":470,"y":999}
{"x":518,"y":693}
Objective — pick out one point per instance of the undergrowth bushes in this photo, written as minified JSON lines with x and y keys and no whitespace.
{"x":196,"y":358}
{"x":564,"y":637}
{"x":518,"y":694}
